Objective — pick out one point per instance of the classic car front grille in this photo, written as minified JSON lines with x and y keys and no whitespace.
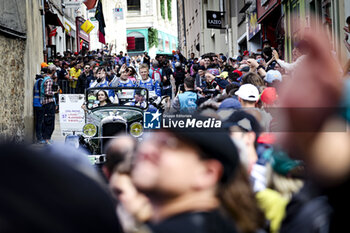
{"x":110,"y":130}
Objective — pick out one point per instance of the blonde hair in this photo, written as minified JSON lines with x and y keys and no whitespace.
{"x":143,"y":66}
{"x":286,"y":186}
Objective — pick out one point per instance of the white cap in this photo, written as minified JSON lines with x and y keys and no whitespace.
{"x":273,"y":75}
{"x":248,"y":92}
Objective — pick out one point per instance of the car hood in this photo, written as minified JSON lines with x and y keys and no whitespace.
{"x":128,"y":114}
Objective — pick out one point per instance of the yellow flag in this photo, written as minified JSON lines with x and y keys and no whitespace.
{"x":87,"y":26}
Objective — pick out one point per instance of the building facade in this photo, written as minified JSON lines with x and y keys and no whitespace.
{"x":21,"y":45}
{"x":147,"y":18}
{"x":247,"y":23}
{"x":62,"y":27}
{"x":331,"y":14}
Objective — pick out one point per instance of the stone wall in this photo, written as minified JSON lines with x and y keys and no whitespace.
{"x":19,"y":62}
{"x":12,"y":88}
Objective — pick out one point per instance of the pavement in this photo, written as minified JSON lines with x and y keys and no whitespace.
{"x":57,"y":136}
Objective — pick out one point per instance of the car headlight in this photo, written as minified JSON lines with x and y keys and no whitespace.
{"x":136,"y":129}
{"x":89,"y":130}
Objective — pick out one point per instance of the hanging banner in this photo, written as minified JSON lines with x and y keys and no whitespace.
{"x":72,"y":116}
{"x":53,"y":32}
{"x":87,"y":26}
{"x":67,"y":28}
{"x":72,"y":3}
{"x":254,"y":26}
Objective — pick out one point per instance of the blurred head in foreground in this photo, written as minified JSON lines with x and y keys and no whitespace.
{"x":133,"y":206}
{"x":194,"y":172}
{"x":45,"y":191}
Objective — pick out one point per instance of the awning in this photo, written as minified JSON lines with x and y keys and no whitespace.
{"x":268,"y":12}
{"x":53,"y":19}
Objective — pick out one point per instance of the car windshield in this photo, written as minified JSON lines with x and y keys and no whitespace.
{"x":116,"y":96}
{"x":101,"y":113}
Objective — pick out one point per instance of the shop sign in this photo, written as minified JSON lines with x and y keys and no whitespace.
{"x":118,"y":13}
{"x":214,"y":19}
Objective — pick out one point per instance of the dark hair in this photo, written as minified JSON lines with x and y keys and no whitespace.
{"x":101,"y":68}
{"x":233,"y":76}
{"x":238,"y":200}
{"x":207,"y":56}
{"x":232,"y":87}
{"x":189,"y":82}
{"x":108,"y":101}
{"x":195,"y":67}
{"x":133,"y":71}
{"x":348,"y":20}
{"x":267,"y":51}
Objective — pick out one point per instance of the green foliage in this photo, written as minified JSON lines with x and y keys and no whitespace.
{"x":169,"y":9}
{"x":162,"y":9}
{"x":152,"y":37}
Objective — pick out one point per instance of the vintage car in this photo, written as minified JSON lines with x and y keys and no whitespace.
{"x":111,"y":111}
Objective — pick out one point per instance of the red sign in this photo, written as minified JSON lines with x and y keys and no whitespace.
{"x":264,"y":7}
{"x":131,"y":43}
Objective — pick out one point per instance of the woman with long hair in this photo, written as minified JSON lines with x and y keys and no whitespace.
{"x":102,"y":97}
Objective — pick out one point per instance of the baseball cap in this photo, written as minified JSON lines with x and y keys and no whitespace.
{"x":212,"y":144}
{"x":44,"y":64}
{"x":243,"y":120}
{"x":245,"y":69}
{"x":230,"y":103}
{"x":269,"y":95}
{"x":238,"y":72}
{"x":280,"y":161}
{"x":267,"y":138}
{"x":273,"y":75}
{"x":248,"y":92}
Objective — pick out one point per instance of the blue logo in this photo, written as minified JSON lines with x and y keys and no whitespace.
{"x":151,"y":120}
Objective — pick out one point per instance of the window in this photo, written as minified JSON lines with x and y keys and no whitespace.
{"x":160,"y":45}
{"x":139,"y":42}
{"x":134,"y":5}
{"x":139,"y":45}
{"x":167,"y":46}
